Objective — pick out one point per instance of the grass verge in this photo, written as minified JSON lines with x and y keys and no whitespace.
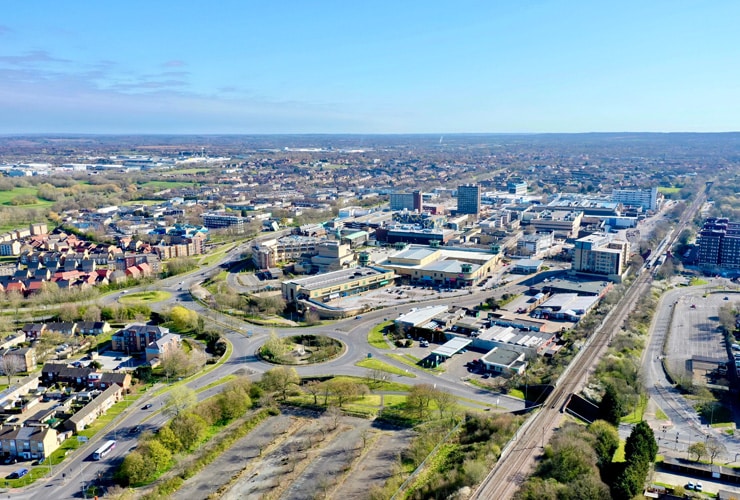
{"x":145,"y":297}
{"x":637,"y":414}
{"x":376,"y":338}
{"x":376,"y":364}
{"x":410,"y":360}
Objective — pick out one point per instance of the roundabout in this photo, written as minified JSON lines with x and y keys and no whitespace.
{"x":304,"y":349}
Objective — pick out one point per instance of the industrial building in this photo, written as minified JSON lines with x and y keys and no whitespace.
{"x":504,"y":361}
{"x":403,"y":233}
{"x":219,"y":221}
{"x":447,"y":267}
{"x":333,"y":285}
{"x":517,"y":187}
{"x":563,"y":223}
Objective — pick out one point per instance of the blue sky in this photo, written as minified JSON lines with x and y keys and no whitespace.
{"x":369,"y":67}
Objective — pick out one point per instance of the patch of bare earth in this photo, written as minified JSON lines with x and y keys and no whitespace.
{"x":375,"y":465}
{"x":231,"y":463}
{"x":321,"y":458}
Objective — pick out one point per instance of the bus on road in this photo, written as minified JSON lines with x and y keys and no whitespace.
{"x":101,"y":452}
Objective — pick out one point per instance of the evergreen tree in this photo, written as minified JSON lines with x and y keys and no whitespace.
{"x":612,"y":406}
{"x":641,"y":444}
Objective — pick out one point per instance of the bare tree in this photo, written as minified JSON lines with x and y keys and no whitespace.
{"x":313,"y":388}
{"x":10,"y":365}
{"x":444,"y":401}
{"x":92,"y":313}
{"x":714,"y":448}
{"x":376,"y":376}
{"x":174,"y":363}
{"x":280,"y":379}
{"x":333,"y":415}
{"x":180,"y":398}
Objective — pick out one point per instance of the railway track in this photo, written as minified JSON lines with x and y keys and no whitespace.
{"x":519,"y":457}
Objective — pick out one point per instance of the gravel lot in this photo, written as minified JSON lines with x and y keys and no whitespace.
{"x":300,"y":465}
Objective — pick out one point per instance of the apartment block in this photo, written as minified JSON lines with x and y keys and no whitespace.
{"x":601,"y":255}
{"x":645,"y":198}
{"x":719,"y":243}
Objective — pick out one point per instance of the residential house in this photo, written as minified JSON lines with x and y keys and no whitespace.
{"x":117,"y":276}
{"x":12,"y":340}
{"x":27,"y":443}
{"x":34,"y":286}
{"x":22,"y":387}
{"x":17,"y":359}
{"x":65,"y":374}
{"x":34,"y":331}
{"x":92,"y":327}
{"x":16,"y":286}
{"x":159,"y":348}
{"x":94,"y":409}
{"x":133,"y":272}
{"x":122,"y":379}
{"x":10,"y":248}
{"x":64,"y":327}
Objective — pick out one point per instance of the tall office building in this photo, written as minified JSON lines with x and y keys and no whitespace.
{"x":418,"y":201}
{"x":468,"y":199}
{"x":403,"y":201}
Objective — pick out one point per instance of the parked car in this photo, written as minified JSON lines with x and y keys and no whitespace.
{"x":18,"y":474}
{"x":690,"y":486}
{"x":698,"y":487}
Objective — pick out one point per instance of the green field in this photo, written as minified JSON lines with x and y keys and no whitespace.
{"x":166,"y":184}
{"x":6,"y":197}
{"x":669,"y":190}
{"x":191,"y":170}
{"x":144,"y":297}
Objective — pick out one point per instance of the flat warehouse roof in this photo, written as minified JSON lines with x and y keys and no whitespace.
{"x":338,"y":277}
{"x":422,"y":315}
{"x":452,"y":346}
